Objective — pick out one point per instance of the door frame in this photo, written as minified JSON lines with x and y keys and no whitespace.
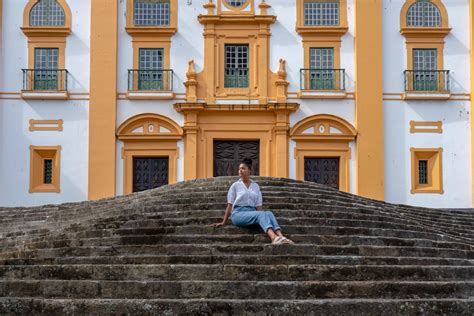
{"x":235,"y":140}
{"x":139,"y":156}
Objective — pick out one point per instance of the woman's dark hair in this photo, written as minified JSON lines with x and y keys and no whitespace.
{"x":247,"y":162}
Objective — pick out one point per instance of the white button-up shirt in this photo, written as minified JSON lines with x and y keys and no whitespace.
{"x":240,"y":195}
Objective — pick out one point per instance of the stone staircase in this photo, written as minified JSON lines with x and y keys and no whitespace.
{"x":154,"y":253}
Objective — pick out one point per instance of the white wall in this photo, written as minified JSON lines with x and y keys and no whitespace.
{"x":455,"y":139}
{"x":15,"y":113}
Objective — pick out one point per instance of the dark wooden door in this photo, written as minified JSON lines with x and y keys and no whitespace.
{"x":149,"y":173}
{"x":322,"y":170}
{"x":229,"y":154}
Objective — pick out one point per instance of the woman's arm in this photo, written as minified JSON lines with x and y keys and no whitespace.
{"x":228,"y":210}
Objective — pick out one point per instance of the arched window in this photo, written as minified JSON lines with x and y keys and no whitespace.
{"x":424,"y":13}
{"x":47,"y":13}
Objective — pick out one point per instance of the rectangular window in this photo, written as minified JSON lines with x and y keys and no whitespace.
{"x":423,"y":171}
{"x":152,"y":12}
{"x":321,"y":74}
{"x":425,"y":65}
{"x":46,"y":69}
{"x":427,"y":170}
{"x":321,"y":12}
{"x":48,"y":171}
{"x":44,"y":169}
{"x":150,"y":73}
{"x":236,"y":66}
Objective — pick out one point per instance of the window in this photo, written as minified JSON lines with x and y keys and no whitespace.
{"x":151,"y":12}
{"x":150,"y":69}
{"x":236,"y":66}
{"x":44,"y":169}
{"x":426,"y":170}
{"x":425,"y":75}
{"x":424,"y":14}
{"x":322,"y":68}
{"x":321,"y":12}
{"x":46,"y":69}
{"x":47,"y":13}
{"x":236,"y":3}
{"x":423,"y":171}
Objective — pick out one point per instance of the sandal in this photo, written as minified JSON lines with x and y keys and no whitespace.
{"x":285,"y":240}
{"x":277,"y":240}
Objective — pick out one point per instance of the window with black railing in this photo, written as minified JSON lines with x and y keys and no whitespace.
{"x":322,"y":79}
{"x":150,"y":76}
{"x":45,"y":76}
{"x":45,"y":79}
{"x":236,"y":72}
{"x":427,"y":80}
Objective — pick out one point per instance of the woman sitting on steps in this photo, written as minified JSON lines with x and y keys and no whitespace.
{"x":244,"y":200}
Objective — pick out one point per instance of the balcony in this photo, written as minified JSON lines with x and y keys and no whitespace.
{"x":426,"y":84}
{"x":322,"y":84}
{"x":150,"y":84}
{"x":45,"y":84}
{"x":236,"y":78}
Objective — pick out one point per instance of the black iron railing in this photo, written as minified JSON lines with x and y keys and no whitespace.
{"x":427,"y":80}
{"x":150,"y":80}
{"x":45,"y":79}
{"x":322,"y":79}
{"x":236,"y":78}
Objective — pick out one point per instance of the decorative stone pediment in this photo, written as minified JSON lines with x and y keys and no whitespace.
{"x":323,"y":127}
{"x":149,"y":126}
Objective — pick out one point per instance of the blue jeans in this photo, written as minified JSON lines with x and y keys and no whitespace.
{"x":247,"y":215}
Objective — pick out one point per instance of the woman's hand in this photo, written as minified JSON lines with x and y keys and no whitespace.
{"x":218,"y":224}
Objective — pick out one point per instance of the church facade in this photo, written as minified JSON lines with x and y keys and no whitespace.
{"x":104,"y":98}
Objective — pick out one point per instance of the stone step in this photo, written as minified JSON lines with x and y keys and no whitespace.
{"x":329,"y":307}
{"x":248,"y":259}
{"x":235,"y":272}
{"x":193,"y":289}
{"x":239,"y":248}
{"x":108,"y":237}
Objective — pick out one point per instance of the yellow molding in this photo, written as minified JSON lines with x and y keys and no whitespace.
{"x":38,"y":154}
{"x":369,"y":99}
{"x":103,"y":99}
{"x":46,"y":125}
{"x":435,"y":170}
{"x":149,"y":124}
{"x":426,"y":127}
{"x":322,"y":125}
{"x":471,"y":38}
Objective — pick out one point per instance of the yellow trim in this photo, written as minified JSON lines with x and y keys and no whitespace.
{"x":323,"y":127}
{"x":369,"y":99}
{"x":46,"y":125}
{"x":471,"y":37}
{"x":37,"y":156}
{"x":426,"y":127}
{"x":437,"y":3}
{"x":103,"y":95}
{"x":435,"y":170}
